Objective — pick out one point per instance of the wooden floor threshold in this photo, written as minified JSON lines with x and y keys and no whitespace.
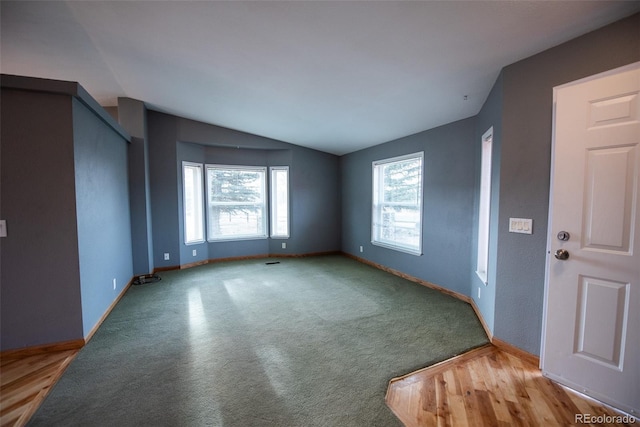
{"x":489,"y":387}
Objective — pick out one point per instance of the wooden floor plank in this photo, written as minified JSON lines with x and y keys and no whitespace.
{"x":493,"y":388}
{"x":471,"y":404}
{"x":498,"y":400}
{"x":443,"y":412}
{"x":458,"y":413}
{"x":26,"y":382}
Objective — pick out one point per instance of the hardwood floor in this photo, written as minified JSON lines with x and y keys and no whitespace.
{"x":483,"y":387}
{"x":487,"y":387}
{"x":25,"y":381}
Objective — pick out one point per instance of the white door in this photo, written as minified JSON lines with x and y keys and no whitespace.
{"x":591,"y":334}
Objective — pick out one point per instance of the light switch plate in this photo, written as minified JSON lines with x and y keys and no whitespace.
{"x":3,"y":228}
{"x":521,"y":225}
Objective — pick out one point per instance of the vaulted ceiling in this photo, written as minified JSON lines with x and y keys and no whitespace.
{"x":336,"y":76}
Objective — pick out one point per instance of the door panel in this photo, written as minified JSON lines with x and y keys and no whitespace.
{"x":591,"y":333}
{"x":616,"y":110}
{"x":608,"y":205}
{"x":602,"y":310}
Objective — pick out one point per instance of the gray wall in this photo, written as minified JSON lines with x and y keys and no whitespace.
{"x":103,"y":213}
{"x":450,"y":160}
{"x":525,"y":167}
{"x":314,"y":189}
{"x":163,"y":180}
{"x":315,"y":202}
{"x":40,"y":285}
{"x":65,"y":199}
{"x":132,"y":116}
{"x":490,"y":116}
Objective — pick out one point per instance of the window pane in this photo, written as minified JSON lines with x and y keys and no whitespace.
{"x":402,"y":181}
{"x":193,"y":195}
{"x":236,"y":222}
{"x":397,"y":203}
{"x":236,"y":185}
{"x":237,"y":203}
{"x":280,"y":202}
{"x":484,"y":207}
{"x":401,"y":226}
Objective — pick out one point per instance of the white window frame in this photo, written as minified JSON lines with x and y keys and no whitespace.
{"x":484,"y":208}
{"x":378,"y":204}
{"x":262,"y":234}
{"x":276,"y":194}
{"x":197,"y":208}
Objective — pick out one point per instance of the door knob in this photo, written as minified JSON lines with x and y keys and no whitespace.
{"x":562,"y":254}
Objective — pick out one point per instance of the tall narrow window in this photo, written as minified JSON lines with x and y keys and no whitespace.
{"x":484,"y":209}
{"x":280,"y":202}
{"x":397,"y":203}
{"x":237,"y":206}
{"x":192,"y":202}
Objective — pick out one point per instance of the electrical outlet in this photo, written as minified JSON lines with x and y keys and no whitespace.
{"x":166,"y":256}
{"x":194,"y":252}
{"x":3,"y":228}
{"x":361,"y":249}
{"x":114,"y":284}
{"x":284,"y":245}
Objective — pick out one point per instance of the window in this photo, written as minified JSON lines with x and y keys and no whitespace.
{"x":397,"y":203}
{"x":280,"y":202}
{"x":484,"y":208}
{"x":237,"y":207}
{"x":192,"y":202}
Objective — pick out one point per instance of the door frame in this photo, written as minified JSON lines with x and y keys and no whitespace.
{"x":550,"y":236}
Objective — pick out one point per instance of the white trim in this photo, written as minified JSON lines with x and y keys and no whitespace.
{"x":241,"y":167}
{"x":484,"y":212}
{"x":398,"y":248}
{"x":483,"y":276}
{"x":612,"y":72}
{"x":202,"y":207}
{"x":398,"y":158}
{"x":273,"y":197}
{"x":375,"y":185}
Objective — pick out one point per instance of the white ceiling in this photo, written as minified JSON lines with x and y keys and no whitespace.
{"x":336,"y":76}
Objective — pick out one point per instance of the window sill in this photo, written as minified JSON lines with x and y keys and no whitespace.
{"x":237,"y":239}
{"x":398,"y":248}
{"x":483,"y":276}
{"x":195,"y":242}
